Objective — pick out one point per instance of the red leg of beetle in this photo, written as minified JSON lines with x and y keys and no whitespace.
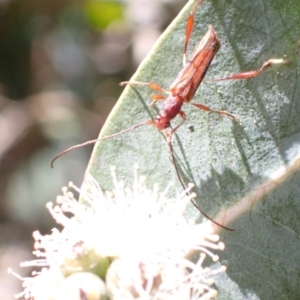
{"x":156,"y":97}
{"x":251,"y":74}
{"x":151,"y":85}
{"x":169,"y":133}
{"x":183,"y":116}
{"x":189,"y":29}
{"x":221,"y":112}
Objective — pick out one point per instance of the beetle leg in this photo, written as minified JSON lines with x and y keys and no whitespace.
{"x":221,"y":112}
{"x":254,"y":73}
{"x":189,"y":29}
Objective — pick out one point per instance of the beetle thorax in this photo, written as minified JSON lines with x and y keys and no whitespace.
{"x":168,"y":112}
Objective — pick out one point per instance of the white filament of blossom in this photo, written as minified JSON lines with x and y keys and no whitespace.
{"x":143,"y":231}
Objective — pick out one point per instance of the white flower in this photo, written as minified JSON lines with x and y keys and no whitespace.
{"x":135,"y":239}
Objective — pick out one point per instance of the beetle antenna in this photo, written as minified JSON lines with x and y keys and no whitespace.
{"x":95,"y":141}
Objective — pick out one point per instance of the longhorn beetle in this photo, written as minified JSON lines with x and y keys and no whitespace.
{"x":183,"y":89}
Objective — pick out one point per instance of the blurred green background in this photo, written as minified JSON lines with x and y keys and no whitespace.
{"x":61,"y":62}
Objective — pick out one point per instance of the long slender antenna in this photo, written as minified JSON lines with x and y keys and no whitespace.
{"x":96,"y":140}
{"x":184,"y":187}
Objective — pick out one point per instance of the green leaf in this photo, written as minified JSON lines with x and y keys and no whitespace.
{"x":247,"y":172}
